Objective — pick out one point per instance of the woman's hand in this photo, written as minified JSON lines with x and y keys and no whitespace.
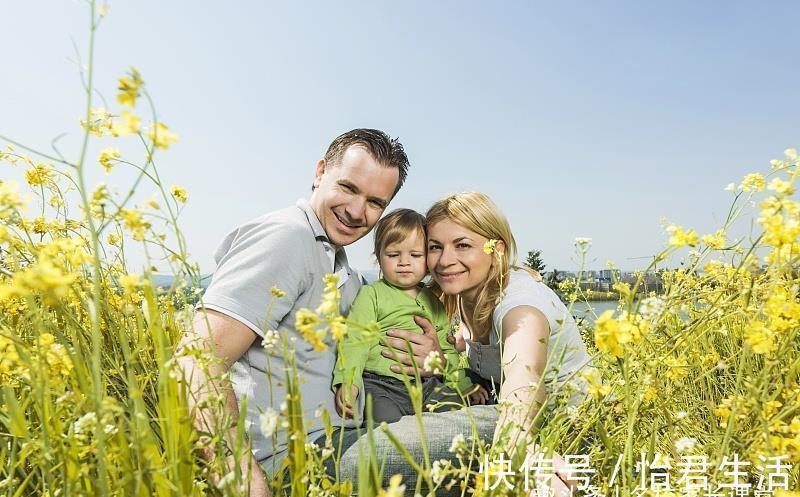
{"x":345,"y":402}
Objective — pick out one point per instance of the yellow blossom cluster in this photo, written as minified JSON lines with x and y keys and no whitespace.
{"x":134,"y":221}
{"x":106,"y":158}
{"x":161,"y":136}
{"x":10,"y":365}
{"x":129,"y":88}
{"x":10,"y":200}
{"x":99,"y":122}
{"x":314,"y":326}
{"x":54,"y":357}
{"x":179,"y":193}
{"x":613,"y":335}
{"x":39,"y":174}
{"x":680,"y":236}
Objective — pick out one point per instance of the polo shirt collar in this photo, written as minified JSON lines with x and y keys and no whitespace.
{"x":313,"y":220}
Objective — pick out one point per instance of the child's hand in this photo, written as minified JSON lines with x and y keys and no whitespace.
{"x":345,"y":401}
{"x":457,"y":341}
{"x":479,"y":395}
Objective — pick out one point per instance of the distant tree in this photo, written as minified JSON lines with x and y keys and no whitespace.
{"x":554,"y":278}
{"x":534,"y":260}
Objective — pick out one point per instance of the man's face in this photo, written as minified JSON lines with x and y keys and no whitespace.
{"x":349,"y":197}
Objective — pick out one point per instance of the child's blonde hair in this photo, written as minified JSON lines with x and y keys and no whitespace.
{"x":397,"y":226}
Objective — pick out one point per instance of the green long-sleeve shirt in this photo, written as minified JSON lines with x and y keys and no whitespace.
{"x":391,"y":308}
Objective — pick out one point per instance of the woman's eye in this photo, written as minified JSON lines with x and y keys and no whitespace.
{"x":462,"y":245}
{"x":433,"y":247}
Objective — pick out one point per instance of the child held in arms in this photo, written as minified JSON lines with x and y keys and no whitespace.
{"x":392,"y":302}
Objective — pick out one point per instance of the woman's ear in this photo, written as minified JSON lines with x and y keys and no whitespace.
{"x":500,"y":247}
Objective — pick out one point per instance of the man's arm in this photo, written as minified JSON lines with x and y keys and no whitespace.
{"x":224,"y":340}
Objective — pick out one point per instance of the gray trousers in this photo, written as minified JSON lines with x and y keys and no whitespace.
{"x":390,"y":399}
{"x":439,"y":429}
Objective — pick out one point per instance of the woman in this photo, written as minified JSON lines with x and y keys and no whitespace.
{"x":515,"y":329}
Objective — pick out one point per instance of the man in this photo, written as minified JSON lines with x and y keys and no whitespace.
{"x":292,"y":249}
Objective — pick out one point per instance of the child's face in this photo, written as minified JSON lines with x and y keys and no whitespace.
{"x":403,"y":263}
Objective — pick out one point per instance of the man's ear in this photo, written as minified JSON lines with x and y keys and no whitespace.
{"x":319,"y":172}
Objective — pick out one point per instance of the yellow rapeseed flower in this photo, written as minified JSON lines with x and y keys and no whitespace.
{"x":489,"y":246}
{"x":753,"y":182}
{"x":715,"y":241}
{"x":306,"y":323}
{"x":760,"y":338}
{"x":161,"y":136}
{"x":338,"y":327}
{"x":595,"y":383}
{"x":10,"y":200}
{"x":126,"y":124}
{"x":106,"y":156}
{"x":179,"y":193}
{"x":395,"y":489}
{"x":39,"y":225}
{"x":135,"y":222}
{"x":129,"y":88}
{"x":780,"y":186}
{"x":39,"y":174}
{"x":680,"y":237}
{"x":609,"y":336}
{"x":99,"y":122}
{"x":277,"y":292}
{"x":130,"y":282}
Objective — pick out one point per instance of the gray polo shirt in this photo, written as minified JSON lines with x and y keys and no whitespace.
{"x":289,"y":249}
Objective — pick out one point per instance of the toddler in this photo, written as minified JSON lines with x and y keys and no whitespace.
{"x":392,"y":302}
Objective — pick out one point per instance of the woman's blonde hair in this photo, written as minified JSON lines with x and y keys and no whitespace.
{"x":476,"y":212}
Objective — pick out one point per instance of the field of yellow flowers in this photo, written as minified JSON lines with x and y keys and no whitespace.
{"x":696,"y":390}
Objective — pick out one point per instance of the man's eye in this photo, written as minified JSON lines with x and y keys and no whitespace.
{"x":347,"y":187}
{"x":376,"y":204}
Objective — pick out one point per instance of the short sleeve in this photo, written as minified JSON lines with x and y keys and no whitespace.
{"x":250,"y":261}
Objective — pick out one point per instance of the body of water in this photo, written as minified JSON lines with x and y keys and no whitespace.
{"x":588,"y":310}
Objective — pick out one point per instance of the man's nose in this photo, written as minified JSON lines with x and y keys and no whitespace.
{"x":356,"y":210}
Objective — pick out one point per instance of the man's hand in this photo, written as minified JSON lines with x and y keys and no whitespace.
{"x":478,"y":395}
{"x":421,"y":345}
{"x":227,"y":339}
{"x":345,"y":402}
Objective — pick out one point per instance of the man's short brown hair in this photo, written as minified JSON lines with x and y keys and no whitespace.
{"x":387,"y":151}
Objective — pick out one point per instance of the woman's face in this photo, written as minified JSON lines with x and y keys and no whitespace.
{"x":456,"y":259}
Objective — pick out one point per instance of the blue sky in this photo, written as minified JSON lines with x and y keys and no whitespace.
{"x":591,"y":119}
